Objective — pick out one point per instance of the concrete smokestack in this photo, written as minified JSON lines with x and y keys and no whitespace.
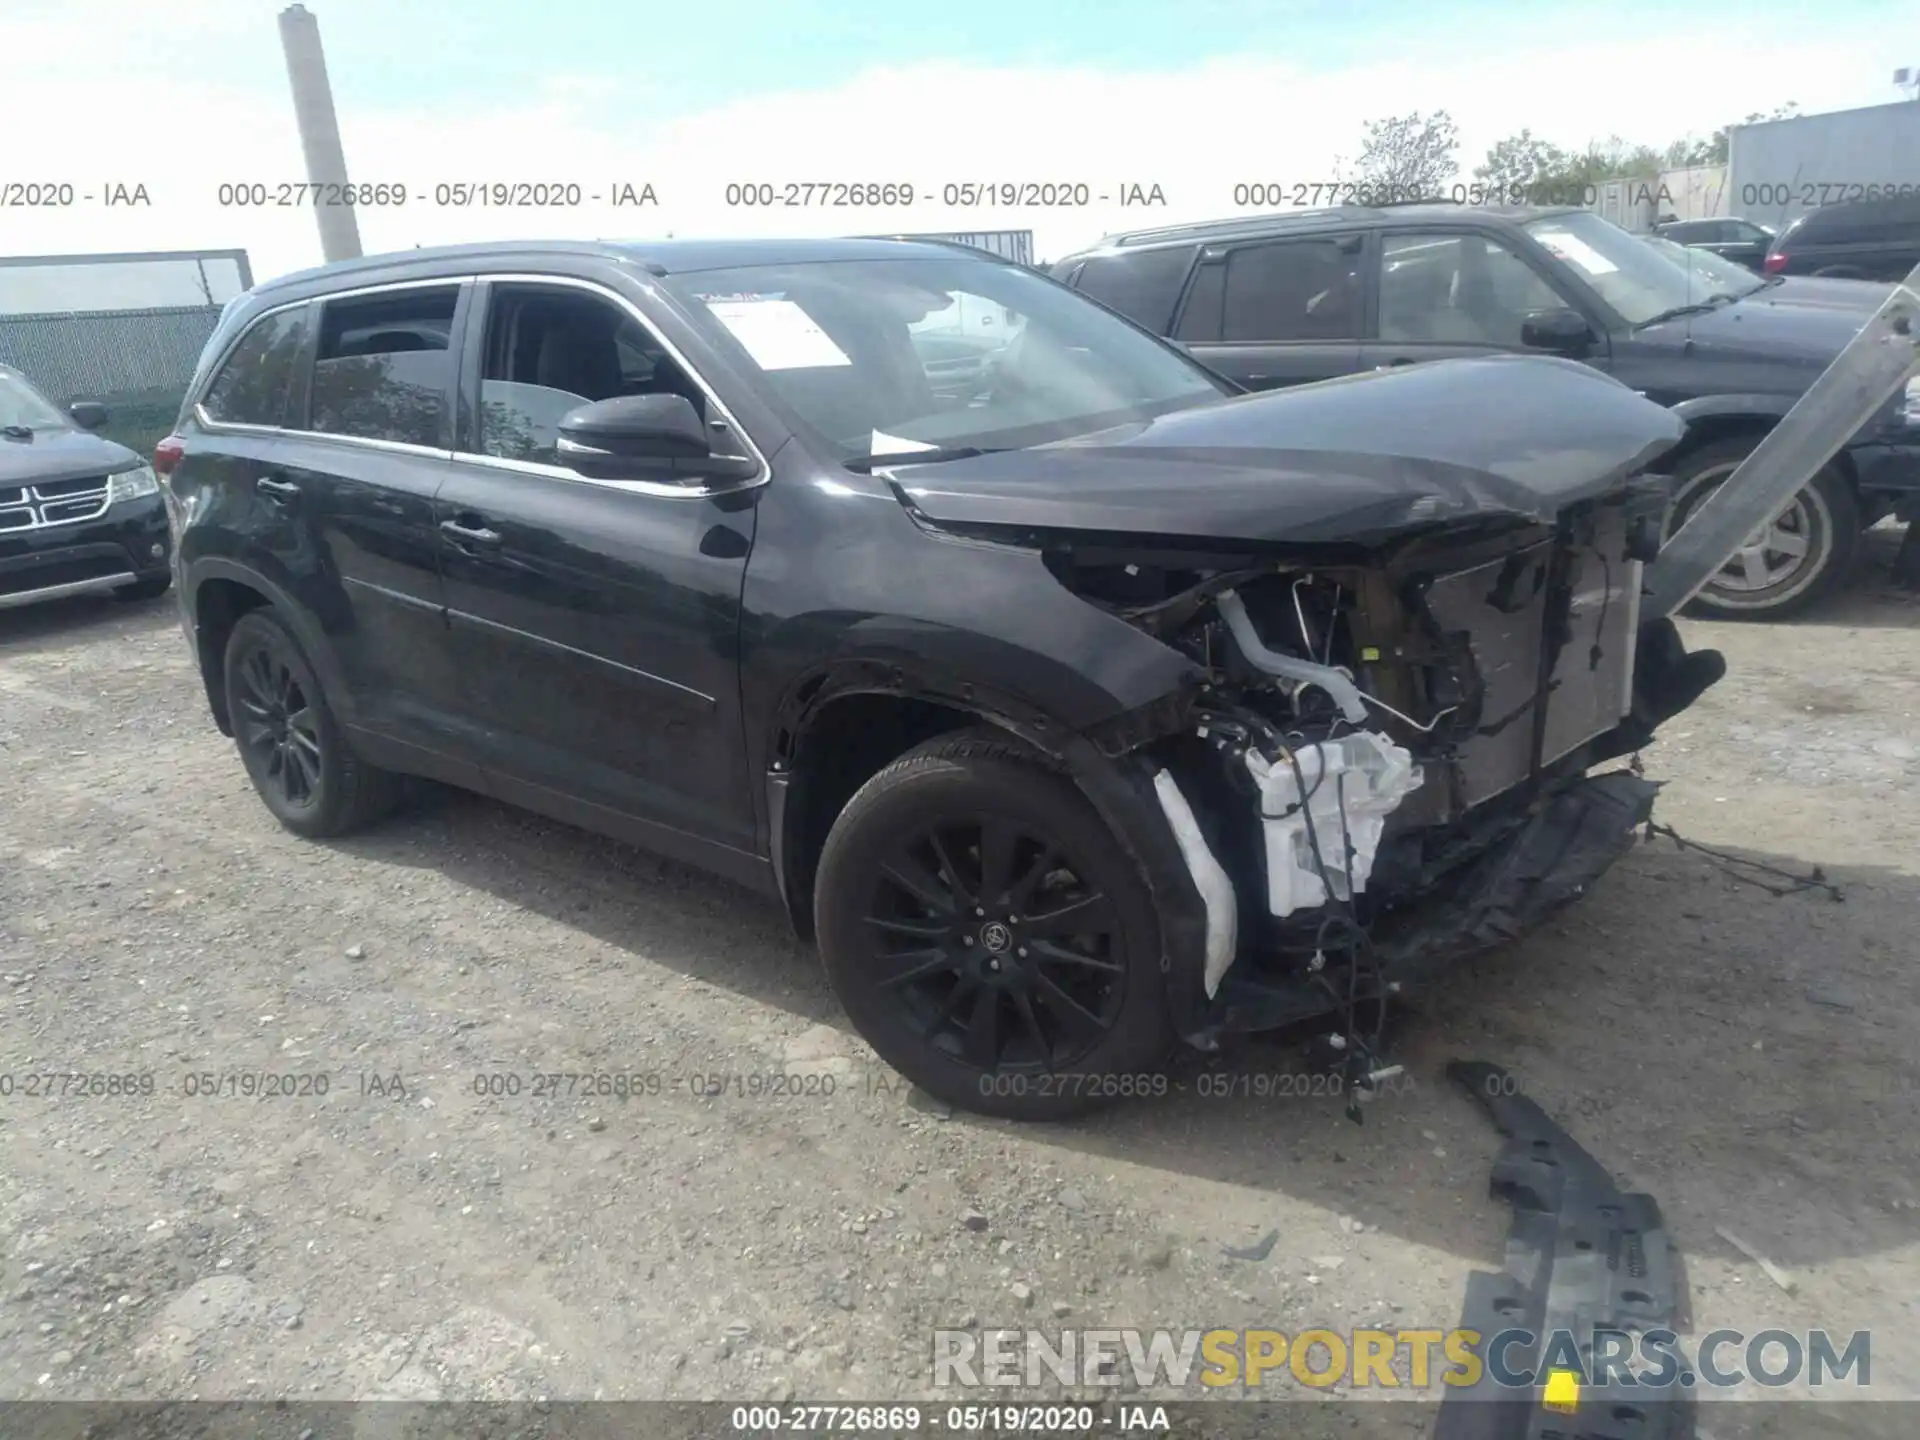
{"x":319,"y":132}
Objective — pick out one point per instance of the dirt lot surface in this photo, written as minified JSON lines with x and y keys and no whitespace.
{"x":1747,"y":1058}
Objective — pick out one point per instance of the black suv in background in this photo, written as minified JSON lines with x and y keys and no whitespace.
{"x":1277,"y":300}
{"x":79,"y":514}
{"x":1862,"y":240}
{"x":1731,"y":238}
{"x":1000,"y":684}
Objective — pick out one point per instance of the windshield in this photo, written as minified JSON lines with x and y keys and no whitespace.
{"x":25,"y":407}
{"x":889,"y":357}
{"x":1712,"y":273}
{"x":1639,"y":281}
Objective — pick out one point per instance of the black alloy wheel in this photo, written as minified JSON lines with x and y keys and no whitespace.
{"x":288,"y":740}
{"x":276,"y":725}
{"x":990,"y":937}
{"x":999,"y":950}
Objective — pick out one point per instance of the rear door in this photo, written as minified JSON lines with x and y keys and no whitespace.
{"x":1445,"y":293}
{"x":1273,"y":313}
{"x":365,"y":453}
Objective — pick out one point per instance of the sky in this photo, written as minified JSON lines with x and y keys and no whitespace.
{"x":1192,"y":96}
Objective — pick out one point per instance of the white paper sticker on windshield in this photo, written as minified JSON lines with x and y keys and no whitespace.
{"x":1576,"y":251}
{"x":884,"y":444}
{"x":778,"y":334}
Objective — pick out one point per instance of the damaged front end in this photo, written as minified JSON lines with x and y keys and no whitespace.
{"x":1385,"y":765}
{"x":1380,"y":761}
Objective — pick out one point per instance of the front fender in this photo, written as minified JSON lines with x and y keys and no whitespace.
{"x":1719,"y":407}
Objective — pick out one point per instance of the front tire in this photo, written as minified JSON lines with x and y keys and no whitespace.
{"x":288,"y":739}
{"x":990,"y":937}
{"x":1789,"y":564}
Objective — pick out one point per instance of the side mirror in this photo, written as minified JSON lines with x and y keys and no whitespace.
{"x":88,"y":414}
{"x":645,"y":437}
{"x":1562,"y":332}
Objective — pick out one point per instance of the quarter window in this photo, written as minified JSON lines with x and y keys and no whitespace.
{"x":1305,"y":289}
{"x":253,"y":386}
{"x":384,"y":367}
{"x":1143,"y":286}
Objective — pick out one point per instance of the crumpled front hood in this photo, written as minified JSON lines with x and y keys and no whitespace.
{"x":60,"y":455}
{"x":1348,"y":460}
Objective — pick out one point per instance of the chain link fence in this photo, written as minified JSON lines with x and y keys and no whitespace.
{"x":135,"y":362}
{"x":125,"y":330}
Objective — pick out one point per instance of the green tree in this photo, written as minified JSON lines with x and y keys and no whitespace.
{"x":1405,"y":157}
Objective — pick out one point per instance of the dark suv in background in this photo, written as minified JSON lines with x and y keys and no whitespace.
{"x":1741,"y":241}
{"x":1862,"y":240}
{"x":1277,"y":300}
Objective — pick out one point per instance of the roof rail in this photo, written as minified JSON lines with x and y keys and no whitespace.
{"x":1234,"y":225}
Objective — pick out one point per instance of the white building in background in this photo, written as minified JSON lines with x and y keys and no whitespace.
{"x":1697,"y":193}
{"x":1778,"y":170}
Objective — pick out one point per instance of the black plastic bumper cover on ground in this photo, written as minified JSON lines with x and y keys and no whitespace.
{"x":1581,"y":1257}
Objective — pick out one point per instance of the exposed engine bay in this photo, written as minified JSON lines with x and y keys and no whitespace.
{"x":1385,"y":765}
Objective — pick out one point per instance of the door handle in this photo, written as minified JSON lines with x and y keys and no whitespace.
{"x":1394,"y":364}
{"x":280,"y":490}
{"x":469,"y":535}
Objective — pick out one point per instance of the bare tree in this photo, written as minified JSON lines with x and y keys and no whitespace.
{"x":1408,"y":157}
{"x":1521,"y":165}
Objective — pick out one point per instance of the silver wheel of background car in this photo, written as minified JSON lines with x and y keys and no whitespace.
{"x":1787,"y":562}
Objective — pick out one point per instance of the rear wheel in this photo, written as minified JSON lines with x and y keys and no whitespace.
{"x":989,"y":936}
{"x":295,"y":755}
{"x":1787,"y":564}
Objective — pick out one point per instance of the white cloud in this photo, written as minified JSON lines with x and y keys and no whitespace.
{"x":1194,"y":132}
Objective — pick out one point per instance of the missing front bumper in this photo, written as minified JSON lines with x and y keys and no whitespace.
{"x":1546,"y":862}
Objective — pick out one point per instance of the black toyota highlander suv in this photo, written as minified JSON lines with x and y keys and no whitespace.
{"x":1076,"y":711}
{"x":1274,"y":300}
{"x":78,"y":514}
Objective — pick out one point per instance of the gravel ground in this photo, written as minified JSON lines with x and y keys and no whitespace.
{"x":1747,"y":1058}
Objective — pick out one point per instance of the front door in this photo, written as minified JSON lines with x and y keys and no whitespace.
{"x":1278,"y":312}
{"x":596,"y":623}
{"x":1448,"y":294}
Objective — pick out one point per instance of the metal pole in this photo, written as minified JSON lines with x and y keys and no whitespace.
{"x":319,"y":133}
{"x":1879,"y":363}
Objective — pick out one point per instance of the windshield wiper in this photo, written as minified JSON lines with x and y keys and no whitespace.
{"x":866,"y":464}
{"x":1699,"y":307}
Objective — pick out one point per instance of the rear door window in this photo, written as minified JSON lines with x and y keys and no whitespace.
{"x":254,"y":384}
{"x":1306,"y":289}
{"x":384,"y":368}
{"x":1144,"y":286}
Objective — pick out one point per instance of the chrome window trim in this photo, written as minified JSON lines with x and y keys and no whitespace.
{"x":694,"y":490}
{"x":237,"y":427}
{"x":460,"y":283}
{"x":690,"y":491}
